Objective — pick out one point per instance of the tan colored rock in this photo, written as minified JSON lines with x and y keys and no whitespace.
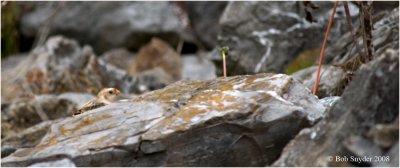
{"x":157,"y":54}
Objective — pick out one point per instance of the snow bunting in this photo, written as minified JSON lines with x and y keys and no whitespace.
{"x":104,"y":97}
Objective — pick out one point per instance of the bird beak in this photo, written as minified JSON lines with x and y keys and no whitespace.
{"x":118,"y":92}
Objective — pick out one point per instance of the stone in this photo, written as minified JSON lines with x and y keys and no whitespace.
{"x":188,"y":123}
{"x":371,"y":99}
{"x":385,"y":135}
{"x":204,"y":17}
{"x":26,"y":112}
{"x":197,"y":67}
{"x":105,"y":25}
{"x":59,"y":66}
{"x":27,"y":138}
{"x":58,"y":163}
{"x":157,"y":53}
{"x":120,"y":58}
{"x":331,"y":79}
{"x":11,"y":61}
{"x":267,"y":36}
{"x":328,"y":102}
{"x":385,"y":35}
{"x":153,"y":79}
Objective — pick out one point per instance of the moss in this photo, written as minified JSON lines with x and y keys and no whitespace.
{"x":304,"y":60}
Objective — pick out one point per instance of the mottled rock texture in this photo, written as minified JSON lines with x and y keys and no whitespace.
{"x":188,"y":123}
{"x":349,"y":130}
{"x":266,"y":36}
{"x":104,"y":25}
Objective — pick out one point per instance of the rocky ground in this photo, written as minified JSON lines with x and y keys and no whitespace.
{"x":178,"y":110}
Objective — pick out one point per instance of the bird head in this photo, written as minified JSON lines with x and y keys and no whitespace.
{"x":108,"y":94}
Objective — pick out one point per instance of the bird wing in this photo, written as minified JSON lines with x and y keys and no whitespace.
{"x":92,"y":104}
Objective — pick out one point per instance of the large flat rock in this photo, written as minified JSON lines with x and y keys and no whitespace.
{"x":234,"y":121}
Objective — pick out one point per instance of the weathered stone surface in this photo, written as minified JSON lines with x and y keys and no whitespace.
{"x":204,"y":20}
{"x":370,"y":99}
{"x":58,"y":163}
{"x":385,"y":35}
{"x":105,"y":25}
{"x":62,"y":66}
{"x":120,"y":58}
{"x":266,"y":36}
{"x":27,"y":138}
{"x":188,"y":123}
{"x":196,"y":67}
{"x":11,"y":61}
{"x":26,"y":112}
{"x":330,"y":80}
{"x":157,"y":54}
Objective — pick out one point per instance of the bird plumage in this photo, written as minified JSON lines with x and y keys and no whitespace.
{"x":104,"y":97}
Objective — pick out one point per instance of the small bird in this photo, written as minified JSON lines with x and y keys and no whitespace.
{"x":104,"y":97}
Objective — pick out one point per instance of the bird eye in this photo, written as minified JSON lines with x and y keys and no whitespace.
{"x":111,"y":92}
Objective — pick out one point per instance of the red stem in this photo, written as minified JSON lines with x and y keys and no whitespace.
{"x":321,"y":55}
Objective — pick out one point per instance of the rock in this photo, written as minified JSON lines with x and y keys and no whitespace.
{"x":196,"y":67}
{"x":62,"y":66}
{"x":27,"y":138}
{"x":385,"y":35}
{"x":153,"y":79}
{"x":370,"y":99}
{"x":188,"y":123}
{"x":58,"y":163}
{"x":385,"y":135}
{"x":11,"y":61}
{"x":26,"y":112}
{"x":105,"y":25}
{"x":331,"y":80}
{"x":120,"y":58}
{"x":157,"y":54}
{"x":391,"y":158}
{"x":266,"y":36}
{"x":329,"y":101}
{"x":204,"y":17}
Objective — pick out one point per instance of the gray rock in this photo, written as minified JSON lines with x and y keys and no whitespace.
{"x":330,"y":80}
{"x":389,"y":159}
{"x":385,"y":35}
{"x":204,"y":17}
{"x":266,"y":36}
{"x":27,"y":138}
{"x":11,"y":61}
{"x":329,"y":101}
{"x":58,"y":163}
{"x":370,"y":99}
{"x":196,"y":67}
{"x":106,"y":25}
{"x":234,"y":121}
{"x":24,"y":113}
{"x":59,"y":66}
{"x":120,"y":58}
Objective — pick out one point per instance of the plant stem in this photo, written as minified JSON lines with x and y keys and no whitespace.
{"x":224,"y":63}
{"x":321,"y":56}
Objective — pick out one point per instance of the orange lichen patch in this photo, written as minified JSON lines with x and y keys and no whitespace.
{"x":198,"y":106}
{"x":52,"y":140}
{"x":87,"y":120}
{"x":172,"y":92}
{"x":63,"y":131}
